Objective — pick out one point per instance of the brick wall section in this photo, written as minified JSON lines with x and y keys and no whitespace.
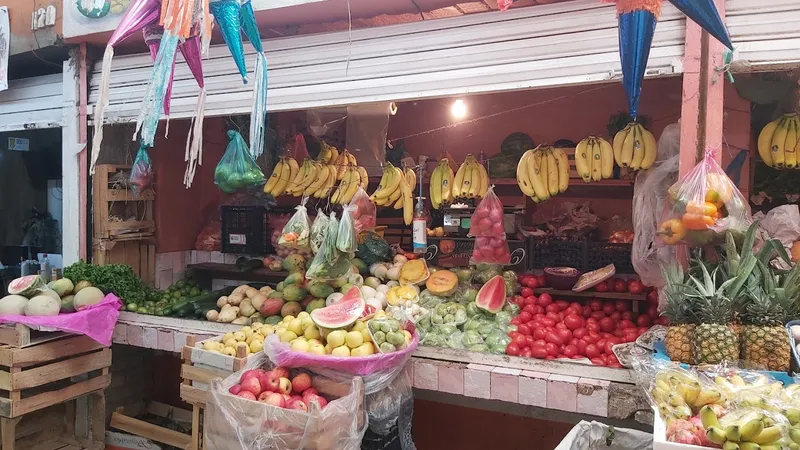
{"x":171,"y":265}
{"x":131,"y":379}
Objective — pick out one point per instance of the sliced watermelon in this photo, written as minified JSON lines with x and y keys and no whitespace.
{"x":27,"y":286}
{"x":342,"y":313}
{"x":492,"y":296}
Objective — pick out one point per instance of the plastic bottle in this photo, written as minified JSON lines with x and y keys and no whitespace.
{"x":419,"y":224}
{"x":45,"y":269}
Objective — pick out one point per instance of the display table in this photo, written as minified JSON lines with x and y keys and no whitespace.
{"x":446,"y":374}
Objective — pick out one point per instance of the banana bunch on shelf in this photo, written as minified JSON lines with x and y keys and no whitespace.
{"x":543,"y":173}
{"x":442,"y":184}
{"x":594,"y":159}
{"x":635,"y":148}
{"x":471,"y":180}
{"x":396,"y":189}
{"x":778,"y":142}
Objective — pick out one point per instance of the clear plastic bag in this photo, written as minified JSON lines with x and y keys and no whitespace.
{"x":490,"y":250}
{"x":318,"y":230}
{"x":595,"y":436}
{"x":329,"y":263}
{"x":702,"y":206}
{"x":388,"y":334}
{"x":346,"y":239}
{"x":232,"y":422}
{"x":487,"y":220}
{"x":363,"y":211}
{"x":142,"y":174}
{"x":393,"y":406}
{"x":237,"y":169}
{"x":297,"y":231}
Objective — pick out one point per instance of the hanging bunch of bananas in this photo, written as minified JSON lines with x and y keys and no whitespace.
{"x":778,"y":142}
{"x":396,"y":189}
{"x":328,"y":154}
{"x":471,"y":180}
{"x":635,"y":148}
{"x":543,"y":173}
{"x":594,"y":159}
{"x":285,"y":171}
{"x":442,"y":184}
{"x":350,"y":176}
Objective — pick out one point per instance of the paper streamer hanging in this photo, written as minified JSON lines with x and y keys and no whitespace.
{"x":258,"y":113}
{"x":193,"y":155}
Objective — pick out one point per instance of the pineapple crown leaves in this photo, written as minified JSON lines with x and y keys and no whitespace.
{"x":740,"y":266}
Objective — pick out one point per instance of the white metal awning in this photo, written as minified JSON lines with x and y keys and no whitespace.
{"x":765,"y":33}
{"x":32,"y":103}
{"x":550,"y":45}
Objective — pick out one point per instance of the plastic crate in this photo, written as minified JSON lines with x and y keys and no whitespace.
{"x":462,"y":251}
{"x":556,"y":253}
{"x":601,"y":254}
{"x":245,"y":230}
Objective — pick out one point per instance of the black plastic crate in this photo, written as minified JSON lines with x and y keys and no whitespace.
{"x":601,"y":254}
{"x":556,"y":253}
{"x":245,"y":230}
{"x":439,"y":254}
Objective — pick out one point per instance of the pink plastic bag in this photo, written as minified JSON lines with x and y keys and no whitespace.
{"x":487,"y":220}
{"x":96,"y":321}
{"x":491,"y":250}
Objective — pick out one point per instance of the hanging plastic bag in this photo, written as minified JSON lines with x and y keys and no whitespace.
{"x":237,"y":169}
{"x":487,"y":220}
{"x":490,"y":250}
{"x":142,"y":172}
{"x":346,"y":239}
{"x":297,"y":231}
{"x":363,"y":211}
{"x":329,"y":263}
{"x":318,"y":229}
{"x":702,"y":206}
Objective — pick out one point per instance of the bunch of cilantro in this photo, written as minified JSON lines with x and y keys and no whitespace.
{"x":118,"y":279}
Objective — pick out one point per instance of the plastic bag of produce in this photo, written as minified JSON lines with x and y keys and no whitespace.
{"x":487,"y":220}
{"x":363,"y":211}
{"x":378,"y":370}
{"x":318,"y":230}
{"x":346,"y":239}
{"x":297,"y":231}
{"x":390,"y":408}
{"x":237,"y":169}
{"x":240,"y":422}
{"x":599,"y":436}
{"x":329,"y":263}
{"x":702,"y":206}
{"x":490,"y":250}
{"x":142,"y":172}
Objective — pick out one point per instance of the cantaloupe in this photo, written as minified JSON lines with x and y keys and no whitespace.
{"x":13,"y":305}
{"x":442,"y":283}
{"x":43,"y":305}
{"x":86,"y":297}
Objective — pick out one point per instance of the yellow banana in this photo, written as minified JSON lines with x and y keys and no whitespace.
{"x":274,"y":178}
{"x":552,"y":173}
{"x":650,"y":148}
{"x":794,"y":435}
{"x":606,"y":158}
{"x":619,"y":144}
{"x":484,"y":177}
{"x":411,"y":177}
{"x":708,"y":417}
{"x":408,"y":202}
{"x":790,"y":160}
{"x":468,"y":188}
{"x":364,"y":176}
{"x":324,"y":174}
{"x":294,"y":169}
{"x":523,"y":178}
{"x":765,"y":142}
{"x":779,"y":142}
{"x":583,"y":162}
{"x":733,"y":432}
{"x":562,"y":164}
{"x":295,"y":188}
{"x":596,"y":158}
{"x":768,"y":435}
{"x":638,"y":148}
{"x":689,"y":392}
{"x":751,"y":429}
{"x":341,"y":164}
{"x":351,"y":158}
{"x":436,"y":186}
{"x":284,"y":178}
{"x":384,"y":178}
{"x":447,"y":183}
{"x":537,"y":170}
{"x":707,"y":397}
{"x":474,"y":179}
{"x":397,"y":193}
{"x":385,"y":190}
{"x":715,"y":435}
{"x":324,"y":153}
{"x":334,"y":156}
{"x":319,"y":180}
{"x":458,"y":182}
{"x":730,"y":445}
{"x":749,"y":446}
{"x":352,"y":181}
{"x":399,"y":203}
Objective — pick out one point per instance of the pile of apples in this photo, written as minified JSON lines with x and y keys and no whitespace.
{"x":277,"y":387}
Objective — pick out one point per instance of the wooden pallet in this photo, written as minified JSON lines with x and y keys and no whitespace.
{"x":19,"y":335}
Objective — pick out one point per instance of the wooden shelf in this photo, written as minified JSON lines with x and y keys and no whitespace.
{"x":220,"y":271}
{"x":125,"y":195}
{"x":593,"y":294}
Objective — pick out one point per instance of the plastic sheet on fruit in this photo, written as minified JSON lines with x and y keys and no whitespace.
{"x":599,"y":436}
{"x":346,"y":239}
{"x":318,"y":230}
{"x":649,"y":195}
{"x":297,"y":231}
{"x":702,"y":206}
{"x":237,"y":169}
{"x":487,"y":220}
{"x":377,"y":370}
{"x":142,"y":173}
{"x":232,"y":422}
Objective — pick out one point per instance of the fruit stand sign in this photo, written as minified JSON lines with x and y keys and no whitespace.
{"x":19,"y":144}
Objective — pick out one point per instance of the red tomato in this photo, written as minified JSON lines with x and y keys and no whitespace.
{"x":541,"y":280}
{"x":641,"y":330}
{"x":592,"y":351}
{"x":519,"y":301}
{"x":592,"y":320}
{"x":513,"y":334}
{"x":564,"y":334}
{"x":530,"y":309}
{"x":644,"y":321}
{"x":554,"y":317}
{"x":580,"y":333}
{"x":635,"y":287}
{"x":601,"y":344}
{"x":515,"y":321}
{"x":587,"y":312}
{"x":652,"y":311}
{"x":610,"y":343}
{"x":598,"y":315}
{"x":618,"y":333}
{"x":663,"y":321}
{"x":548,"y":322}
{"x":561,"y":326}
{"x":596,"y":305}
{"x":526,"y":352}
{"x":652,"y":297}
{"x":539,"y":316}
{"x":574,"y":321}
{"x":512,"y":349}
{"x":611,"y":359}
{"x":616,"y":316}
{"x":553,"y":338}
{"x":592,"y":326}
{"x":592,"y":337}
{"x":530,"y":300}
{"x":573,"y":342}
{"x":598,"y":361}
{"x":570,"y":351}
{"x":545,"y":299}
{"x":552,"y":349}
{"x":520,"y":340}
{"x":538,"y":352}
{"x":601,"y":286}
{"x":529,"y":340}
{"x":562,"y":305}
{"x":524,"y":329}
{"x":539,"y":309}
{"x":620,"y":286}
{"x":526,"y":292}
{"x":627,"y":315}
{"x":614,"y":365}
{"x":576,"y":306}
{"x":607,"y":324}
{"x":539,"y":343}
{"x":581,"y":347}
{"x":630,"y":336}
{"x":608,"y":308}
{"x":539,"y":333}
{"x":553,"y":307}
{"x":523,"y":277}
{"x":550,"y":357}
{"x":622,"y":305}
{"x":626,"y":324}
{"x":532,"y":283}
{"x":525,"y":316}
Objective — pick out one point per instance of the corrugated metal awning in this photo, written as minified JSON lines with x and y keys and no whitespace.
{"x":765,"y":33}
{"x":31,"y":103}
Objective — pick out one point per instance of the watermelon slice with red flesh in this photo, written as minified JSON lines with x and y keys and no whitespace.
{"x":26,"y":286}
{"x":342,"y":313}
{"x":492,"y":296}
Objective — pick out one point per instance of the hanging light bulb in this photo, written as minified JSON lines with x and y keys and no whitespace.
{"x":459,"y":109}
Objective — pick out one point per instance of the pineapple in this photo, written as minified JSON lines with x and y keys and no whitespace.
{"x":679,"y":309}
{"x":714,"y":338}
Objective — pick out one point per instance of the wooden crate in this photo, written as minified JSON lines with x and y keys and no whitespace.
{"x":140,"y":255}
{"x":111,"y":198}
{"x":19,"y":335}
{"x":150,"y":431}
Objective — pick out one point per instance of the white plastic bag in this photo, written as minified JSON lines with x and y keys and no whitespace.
{"x":599,"y":436}
{"x":781,"y":223}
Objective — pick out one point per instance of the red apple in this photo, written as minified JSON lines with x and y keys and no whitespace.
{"x":272,"y":398}
{"x":298,"y":405}
{"x":251,"y":373}
{"x":252,"y":385}
{"x":301,"y":382}
{"x":270,"y":381}
{"x":284,"y":386}
{"x":282,"y":372}
{"x":235,"y":389}
{"x":246,"y":394}
{"x":310,"y":391}
{"x":314,"y":398}
{"x":286,"y":397}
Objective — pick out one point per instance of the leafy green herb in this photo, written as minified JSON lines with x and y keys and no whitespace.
{"x":111,"y":278}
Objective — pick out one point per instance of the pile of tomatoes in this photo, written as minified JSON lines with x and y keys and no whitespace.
{"x":632,"y":286}
{"x":550,"y":329}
